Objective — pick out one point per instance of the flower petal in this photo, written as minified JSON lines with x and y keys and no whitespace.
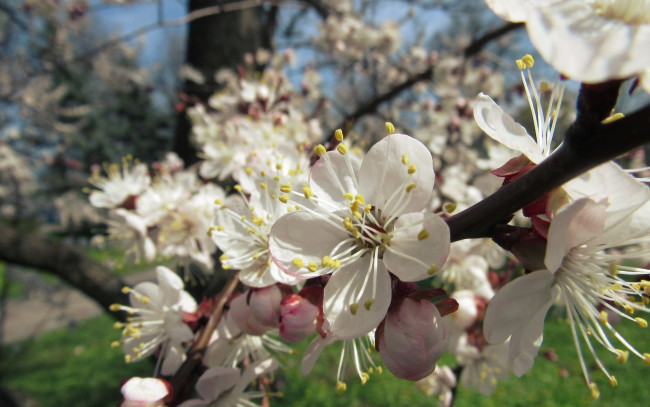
{"x":515,"y":305}
{"x":307,"y":236}
{"x":356,"y":297}
{"x":573,"y":226}
{"x":383,"y":174}
{"x":419,"y":242}
{"x":502,"y":128}
{"x":330,"y":178}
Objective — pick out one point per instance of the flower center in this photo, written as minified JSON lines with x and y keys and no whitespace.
{"x":631,"y":12}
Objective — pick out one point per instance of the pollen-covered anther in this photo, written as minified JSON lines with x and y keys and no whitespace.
{"x":284,"y":198}
{"x":307,"y":191}
{"x":263,"y":185}
{"x":642,"y":322}
{"x":115,"y":307}
{"x":622,"y":355}
{"x":320,"y":150}
{"x":238,"y":188}
{"x":353,"y":308}
{"x":449,"y":207}
{"x":297,"y":261}
{"x":368,"y":304}
{"x":432,"y":270}
{"x":286,"y":188}
{"x":410,"y":186}
{"x":528,"y":60}
{"x":364,"y":378}
{"x":603,"y":317}
{"x":613,"y":382}
{"x":312,"y":266}
{"x":126,"y":290}
{"x":348,"y":196}
{"x":390,"y":128}
{"x":612,"y":118}
{"x":340,"y":386}
{"x":342,"y":149}
{"x":367,"y":208}
{"x":628,"y":309}
{"x":218,"y":201}
{"x":595,"y":393}
{"x":411,"y":169}
{"x":338,"y":135}
{"x":423,"y":235}
{"x":613,"y":269}
{"x":405,"y":159}
{"x":520,"y":64}
{"x":249,"y":170}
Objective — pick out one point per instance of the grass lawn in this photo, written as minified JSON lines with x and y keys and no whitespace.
{"x":77,"y":368}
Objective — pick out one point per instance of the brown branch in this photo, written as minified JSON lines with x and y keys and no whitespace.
{"x":185,"y":374}
{"x":70,"y":264}
{"x":372,"y":105}
{"x":585,"y":147}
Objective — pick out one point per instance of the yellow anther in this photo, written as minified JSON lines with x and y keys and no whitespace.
{"x":262,"y":185}
{"x":543,"y":87}
{"x":298,"y":262}
{"x":307,"y":192}
{"x":218,"y":201}
{"x":340,"y":386}
{"x":249,"y":170}
{"x":432,"y":270}
{"x":642,"y":322}
{"x":367,"y":208}
{"x":238,"y":188}
{"x":380,"y":370}
{"x":326,"y":261}
{"x":528,"y":60}
{"x":628,"y":309}
{"x":126,"y":290}
{"x":411,"y":169}
{"x":405,"y":159}
{"x":116,"y":344}
{"x":364,"y":378}
{"x":410,"y":186}
{"x":353,"y":308}
{"x":226,"y":267}
{"x":357,"y":214}
{"x":595,"y":393}
{"x":347,"y":222}
{"x":144,"y":300}
{"x":312,"y":266}
{"x":390,"y":129}
{"x":278,"y":166}
{"x":423,"y":235}
{"x":342,"y":149}
{"x":622,"y":355}
{"x":348,"y":196}
{"x":359,"y":199}
{"x":115,"y":307}
{"x":612,"y":118}
{"x":520,"y":64}
{"x":613,"y":382}
{"x":127,"y":358}
{"x":369,"y":303}
{"x":613,"y":269}
{"x":284,"y":198}
{"x":276,"y":178}
{"x":118,"y":325}
{"x":286,"y":188}
{"x":242,"y":218}
{"x":223,"y":257}
{"x":603,"y":317}
{"x":221,"y":228}
{"x":320,"y":150}
{"x":646,"y":358}
{"x":449,"y":207}
{"x":338,"y":135}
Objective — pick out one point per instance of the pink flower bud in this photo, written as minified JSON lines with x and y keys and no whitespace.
{"x":257,"y":311}
{"x":412,"y":338}
{"x":147,"y":392}
{"x":298,"y":318}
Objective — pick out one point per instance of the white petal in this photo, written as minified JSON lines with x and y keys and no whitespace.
{"x":353,"y":284}
{"x":525,"y":343}
{"x":170,"y":285}
{"x":383,"y":174}
{"x":513,"y":307}
{"x":216,"y":381}
{"x":575,"y":225}
{"x":307,"y":236}
{"x":588,"y":46}
{"x":405,"y":246}
{"x":174,"y":358}
{"x":330,"y":178}
{"x":511,"y":10}
{"x":502,"y":128}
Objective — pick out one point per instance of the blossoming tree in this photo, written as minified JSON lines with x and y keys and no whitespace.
{"x":332,"y":226}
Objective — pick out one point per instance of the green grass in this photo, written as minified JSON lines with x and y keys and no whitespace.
{"x":78,"y":368}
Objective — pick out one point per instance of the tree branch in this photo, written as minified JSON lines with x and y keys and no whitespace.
{"x":70,"y":264}
{"x":585,"y":147}
{"x":372,"y":105}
